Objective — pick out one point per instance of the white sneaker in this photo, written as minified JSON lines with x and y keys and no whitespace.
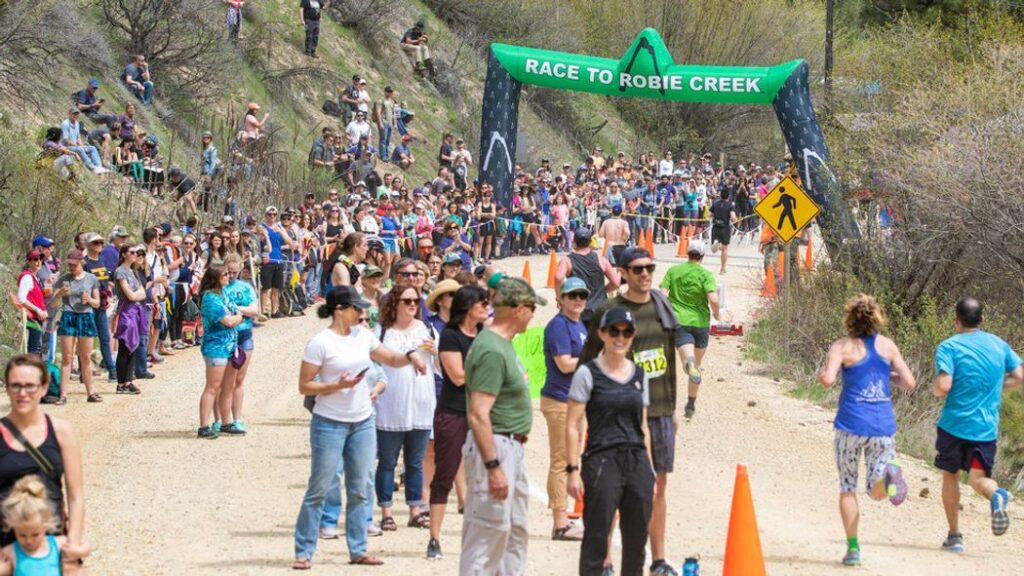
{"x":374,"y":529}
{"x":328,"y":533}
{"x":99,"y":170}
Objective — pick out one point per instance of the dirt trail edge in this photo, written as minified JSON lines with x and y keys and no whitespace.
{"x":162,"y":502}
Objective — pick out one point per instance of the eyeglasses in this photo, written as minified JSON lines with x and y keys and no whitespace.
{"x":576,"y":295}
{"x":649,"y":268}
{"x":434,"y":263}
{"x":408,"y":274}
{"x":615,"y":332}
{"x":17,"y":387}
{"x":409,"y":301}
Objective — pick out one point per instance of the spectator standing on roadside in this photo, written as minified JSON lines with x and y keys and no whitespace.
{"x":974,"y":368}
{"x":414,"y":43}
{"x":494,"y":529}
{"x":33,"y":300}
{"x":79,"y":292}
{"x":95,"y":265}
{"x":137,"y":79}
{"x":309,"y":15}
{"x":86,"y":101}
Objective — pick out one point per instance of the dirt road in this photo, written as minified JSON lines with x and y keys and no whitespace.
{"x":162,"y":502}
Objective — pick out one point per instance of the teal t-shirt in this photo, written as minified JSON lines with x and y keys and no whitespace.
{"x":688,"y":285}
{"x":978,"y":362}
{"x":241,"y":294}
{"x":219,"y":341}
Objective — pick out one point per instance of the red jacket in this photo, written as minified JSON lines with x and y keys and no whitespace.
{"x":35,"y":295}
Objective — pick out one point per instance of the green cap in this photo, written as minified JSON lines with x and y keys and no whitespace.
{"x":515,"y":292}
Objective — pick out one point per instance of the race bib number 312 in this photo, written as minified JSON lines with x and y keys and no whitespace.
{"x":652,"y":361}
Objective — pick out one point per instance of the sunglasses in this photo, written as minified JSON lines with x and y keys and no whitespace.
{"x":140,"y":253}
{"x":532,"y":307}
{"x":615,"y":332}
{"x":426,"y":248}
{"x":641,"y":269}
{"x":35,"y":259}
{"x":408,"y":274}
{"x":576,"y":295}
{"x":363,"y":319}
{"x":409,"y":301}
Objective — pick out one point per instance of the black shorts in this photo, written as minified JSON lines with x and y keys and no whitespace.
{"x":663,"y":443}
{"x":487,"y":228}
{"x":720,"y":234}
{"x":953,"y":454}
{"x":616,"y":251}
{"x":272,"y":276}
{"x":695,"y":335}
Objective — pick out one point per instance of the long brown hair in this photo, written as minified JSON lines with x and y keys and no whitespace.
{"x":389,"y":311}
{"x":863,"y":316}
{"x":211,"y":279}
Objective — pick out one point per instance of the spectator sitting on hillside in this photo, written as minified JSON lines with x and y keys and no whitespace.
{"x":137,"y":79}
{"x":127,"y":122}
{"x":403,"y":155}
{"x":358,"y":129}
{"x":414,"y":43}
{"x":183,"y":192}
{"x":71,"y":136}
{"x":63,"y":157}
{"x":125,"y":161}
{"x":403,"y":119}
{"x":101,"y":137}
{"x":86,"y":101}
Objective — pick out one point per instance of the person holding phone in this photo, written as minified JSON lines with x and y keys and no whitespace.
{"x":342,"y":432}
{"x":79,"y":292}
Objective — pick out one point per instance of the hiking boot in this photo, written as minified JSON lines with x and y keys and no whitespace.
{"x":852,"y":557}
{"x":434,"y":550}
{"x":954,"y":543}
{"x":232,"y":429}
{"x":1000,"y":517}
{"x":895,"y":485}
{"x":207,"y":433}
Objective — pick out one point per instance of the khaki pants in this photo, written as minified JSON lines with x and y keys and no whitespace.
{"x":554,"y":414}
{"x":495,"y":533}
{"x":418,"y":52}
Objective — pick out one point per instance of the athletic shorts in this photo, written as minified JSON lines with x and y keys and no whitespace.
{"x":272,"y":276}
{"x":663,"y":443}
{"x":720,"y":234}
{"x":77,"y":324}
{"x":487,"y":228}
{"x":245,"y":340}
{"x":390,"y":245}
{"x":616,"y":251}
{"x":953,"y":454}
{"x":695,"y":335}
{"x":878,"y":451}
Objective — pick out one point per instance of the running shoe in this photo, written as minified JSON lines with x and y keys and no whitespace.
{"x":239,"y":424}
{"x":328,"y":533}
{"x":128,"y":388}
{"x":1000,"y":517}
{"x":216,"y":426}
{"x":434,"y":550}
{"x":145,"y":376}
{"x":688,"y":411}
{"x":207,"y":433}
{"x":693,"y":372}
{"x":232,"y":429}
{"x":662,"y":568}
{"x":954,"y":543}
{"x":374,"y":529}
{"x":895,"y":485}
{"x":852,"y":557}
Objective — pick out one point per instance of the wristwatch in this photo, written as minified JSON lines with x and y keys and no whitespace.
{"x":492,"y":464}
{"x":570,"y":468}
{"x":410,"y":353}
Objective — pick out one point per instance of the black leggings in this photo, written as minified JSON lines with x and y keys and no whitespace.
{"x":125,"y":363}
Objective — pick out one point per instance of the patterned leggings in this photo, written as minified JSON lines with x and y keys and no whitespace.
{"x":877,"y":451}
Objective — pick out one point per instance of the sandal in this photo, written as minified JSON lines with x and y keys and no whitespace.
{"x":302,"y":564}
{"x":61,"y":401}
{"x":388,"y":524}
{"x":421,"y":520}
{"x":95,"y":397}
{"x":367,"y":560}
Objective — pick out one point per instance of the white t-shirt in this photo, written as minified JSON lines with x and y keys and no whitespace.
{"x":665,"y":168}
{"x":357,"y":130}
{"x":409,"y":401}
{"x":364,"y":102}
{"x":336,"y":355}
{"x":369,"y":225}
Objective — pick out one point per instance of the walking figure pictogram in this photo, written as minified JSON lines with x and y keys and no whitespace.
{"x":788,"y":204}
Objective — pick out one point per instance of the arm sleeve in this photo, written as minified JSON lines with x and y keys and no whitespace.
{"x":1012,"y":359}
{"x":646,"y":388}
{"x":313,"y":353}
{"x":556,"y":338}
{"x":666,"y":282}
{"x":582,"y":385}
{"x":485,"y":372}
{"x":24,"y":287}
{"x":944,"y":359}
{"x":449,"y":341}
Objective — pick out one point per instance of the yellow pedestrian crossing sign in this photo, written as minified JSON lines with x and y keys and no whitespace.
{"x":787,"y":209}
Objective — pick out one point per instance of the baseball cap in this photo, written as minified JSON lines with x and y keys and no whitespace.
{"x":91,"y":237}
{"x":574,"y":284}
{"x":120,"y":232}
{"x":342,"y":297}
{"x":360,"y":183}
{"x":617,"y":315}
{"x":42,"y":240}
{"x":696,"y":247}
{"x":630,"y":254}
{"x":495,"y":279}
{"x":94,"y":83}
{"x":451,"y":258}
{"x":443,"y":287}
{"x":511,"y":292}
{"x":270,"y":210}
{"x":582,"y":237}
{"x":370,"y":271}
{"x":34,"y":254}
{"x":75,"y":255}
{"x":206,"y":134}
{"x":617,"y":209}
{"x":227,"y":219}
{"x":74,"y":111}
{"x":406,"y":138}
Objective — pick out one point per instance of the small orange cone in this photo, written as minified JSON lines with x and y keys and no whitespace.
{"x":743,"y":555}
{"x":526,"y":273}
{"x":577,"y":510}
{"x":809,"y":261}
{"x":552,"y":265}
{"x":683,"y":244}
{"x":768,"y":290}
{"x":649,"y":241}
{"x":782,"y":263}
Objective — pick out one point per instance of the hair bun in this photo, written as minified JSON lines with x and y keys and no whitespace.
{"x":30,"y":485}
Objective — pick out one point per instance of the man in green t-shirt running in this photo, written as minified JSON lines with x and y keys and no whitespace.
{"x":693,"y":293}
{"x":494,"y":528}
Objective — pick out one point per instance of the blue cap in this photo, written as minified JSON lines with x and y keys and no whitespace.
{"x":451,"y":258}
{"x":574,"y":284}
{"x":94,"y":83}
{"x":42,"y":240}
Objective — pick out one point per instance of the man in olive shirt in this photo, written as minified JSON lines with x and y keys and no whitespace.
{"x":494,"y":527}
{"x":654,"y":349}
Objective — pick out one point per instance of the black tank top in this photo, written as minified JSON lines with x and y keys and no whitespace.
{"x":486,"y":212}
{"x":588,"y":268}
{"x":15,"y":465}
{"x":615,"y":411}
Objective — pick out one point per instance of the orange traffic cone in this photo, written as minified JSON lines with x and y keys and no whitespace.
{"x":782,"y":263}
{"x":577,"y":511}
{"x":683,"y":247}
{"x":649,"y":242}
{"x":768,"y":290}
{"x":552,"y":265}
{"x":743,"y":555}
{"x":526,"y":272}
{"x":809,"y":261}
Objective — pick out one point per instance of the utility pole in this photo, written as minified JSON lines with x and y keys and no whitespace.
{"x":830,"y":9}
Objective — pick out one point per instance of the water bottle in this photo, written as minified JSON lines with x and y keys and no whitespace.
{"x":691,"y":566}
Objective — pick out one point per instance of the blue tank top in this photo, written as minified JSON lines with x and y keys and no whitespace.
{"x":865,"y":404}
{"x":275,"y":244}
{"x":48,"y":565}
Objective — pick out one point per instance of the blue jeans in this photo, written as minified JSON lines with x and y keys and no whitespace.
{"x":87,"y":154}
{"x":35,"y":342}
{"x":146,"y":94}
{"x":103,"y":333}
{"x":141,"y":354}
{"x":384,"y":141}
{"x":332,"y":504}
{"x":338,"y":448}
{"x":413,"y":445}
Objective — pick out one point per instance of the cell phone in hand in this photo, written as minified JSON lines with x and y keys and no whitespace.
{"x":362,"y":372}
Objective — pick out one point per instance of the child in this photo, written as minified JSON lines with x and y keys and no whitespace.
{"x":31,"y":516}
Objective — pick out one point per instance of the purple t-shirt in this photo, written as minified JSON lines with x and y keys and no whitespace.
{"x":561,"y":336}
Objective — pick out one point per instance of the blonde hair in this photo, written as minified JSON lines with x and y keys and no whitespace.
{"x":28,"y":502}
{"x":863,"y":316}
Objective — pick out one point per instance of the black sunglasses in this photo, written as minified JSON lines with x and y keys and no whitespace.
{"x":409,"y":301}
{"x":576,"y":295}
{"x":640,"y":269}
{"x":615,"y":332}
{"x":408,"y":274}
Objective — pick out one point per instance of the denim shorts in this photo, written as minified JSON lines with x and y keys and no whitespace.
{"x":245,"y":340}
{"x":215,"y":361}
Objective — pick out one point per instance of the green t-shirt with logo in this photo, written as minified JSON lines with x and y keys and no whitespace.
{"x":688,"y":286}
{"x":492,"y":367}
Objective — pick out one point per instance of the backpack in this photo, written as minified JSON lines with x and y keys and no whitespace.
{"x":54,"y":388}
{"x":331,"y":108}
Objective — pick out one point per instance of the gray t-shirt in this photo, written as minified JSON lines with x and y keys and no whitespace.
{"x":125,"y":273}
{"x":583,"y":385}
{"x":72,"y":301}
